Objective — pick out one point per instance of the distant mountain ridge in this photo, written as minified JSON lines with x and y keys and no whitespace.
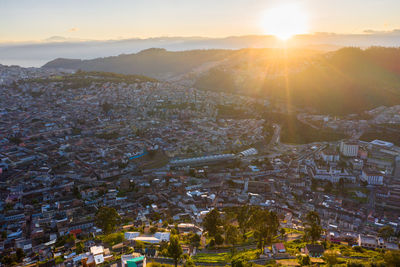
{"x":349,"y":80}
{"x":36,"y":54}
{"x":154,"y":62}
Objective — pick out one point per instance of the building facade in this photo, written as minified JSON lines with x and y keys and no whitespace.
{"x":349,"y":149}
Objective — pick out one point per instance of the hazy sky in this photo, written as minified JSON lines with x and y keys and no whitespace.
{"x":22,"y":20}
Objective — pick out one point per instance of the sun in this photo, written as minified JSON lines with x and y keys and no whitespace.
{"x":285,"y":21}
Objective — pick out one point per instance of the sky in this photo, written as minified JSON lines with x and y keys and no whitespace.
{"x":35,"y":20}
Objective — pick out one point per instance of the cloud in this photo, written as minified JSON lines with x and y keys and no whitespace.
{"x":74,"y":29}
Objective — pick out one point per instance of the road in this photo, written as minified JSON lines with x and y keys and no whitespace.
{"x":307,"y":154}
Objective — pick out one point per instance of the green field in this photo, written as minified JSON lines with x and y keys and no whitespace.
{"x":211,"y":257}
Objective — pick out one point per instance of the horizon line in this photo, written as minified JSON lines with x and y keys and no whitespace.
{"x":64,"y":39}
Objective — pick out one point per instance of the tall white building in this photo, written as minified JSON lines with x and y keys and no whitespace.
{"x":372,"y":177}
{"x":330,"y":155}
{"x":349,"y":149}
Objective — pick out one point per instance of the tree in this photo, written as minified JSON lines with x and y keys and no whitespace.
{"x":153,"y":229}
{"x":212,"y":243}
{"x":194,"y":240}
{"x":139,"y":245}
{"x":163,"y":248}
{"x":107,"y":219}
{"x":66,"y":239}
{"x":282,"y":231}
{"x":355,"y":264}
{"x":243,"y":216}
{"x":20,"y":254}
{"x":273,"y":226}
{"x":79,"y":247}
{"x":174,"y":249}
{"x":392,"y":258}
{"x":165,"y":224}
{"x":331,"y":258}
{"x":189,"y":262}
{"x":8,"y":260}
{"x":239,"y":262}
{"x":174,"y":231}
{"x":313,"y":227}
{"x":212,"y":223}
{"x":265,"y":225}
{"x":358,"y":249}
{"x":232,"y":236}
{"x":386,"y":232}
{"x":219,"y":240}
{"x":258,"y":223}
{"x":303,"y":260}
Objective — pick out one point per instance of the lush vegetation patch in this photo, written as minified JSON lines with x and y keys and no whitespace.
{"x":112,"y":239}
{"x":211,"y":257}
{"x":296,"y":132}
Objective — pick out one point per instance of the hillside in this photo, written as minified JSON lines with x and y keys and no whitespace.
{"x":322,"y":82}
{"x":157,"y":63}
{"x":326,"y":83}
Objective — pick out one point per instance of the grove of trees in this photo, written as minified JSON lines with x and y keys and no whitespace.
{"x":313,"y":229}
{"x":107,"y":219}
{"x":263,"y":223}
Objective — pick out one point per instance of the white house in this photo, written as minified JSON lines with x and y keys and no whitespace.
{"x":162,"y":236}
{"x":131,"y":235}
{"x":98,"y":254}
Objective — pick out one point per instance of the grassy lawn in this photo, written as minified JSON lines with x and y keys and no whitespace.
{"x":293,"y":231}
{"x":357,"y":253}
{"x":211,"y":258}
{"x":111,"y":239}
{"x":346,"y":253}
{"x":245,"y":256}
{"x":225,"y":257}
